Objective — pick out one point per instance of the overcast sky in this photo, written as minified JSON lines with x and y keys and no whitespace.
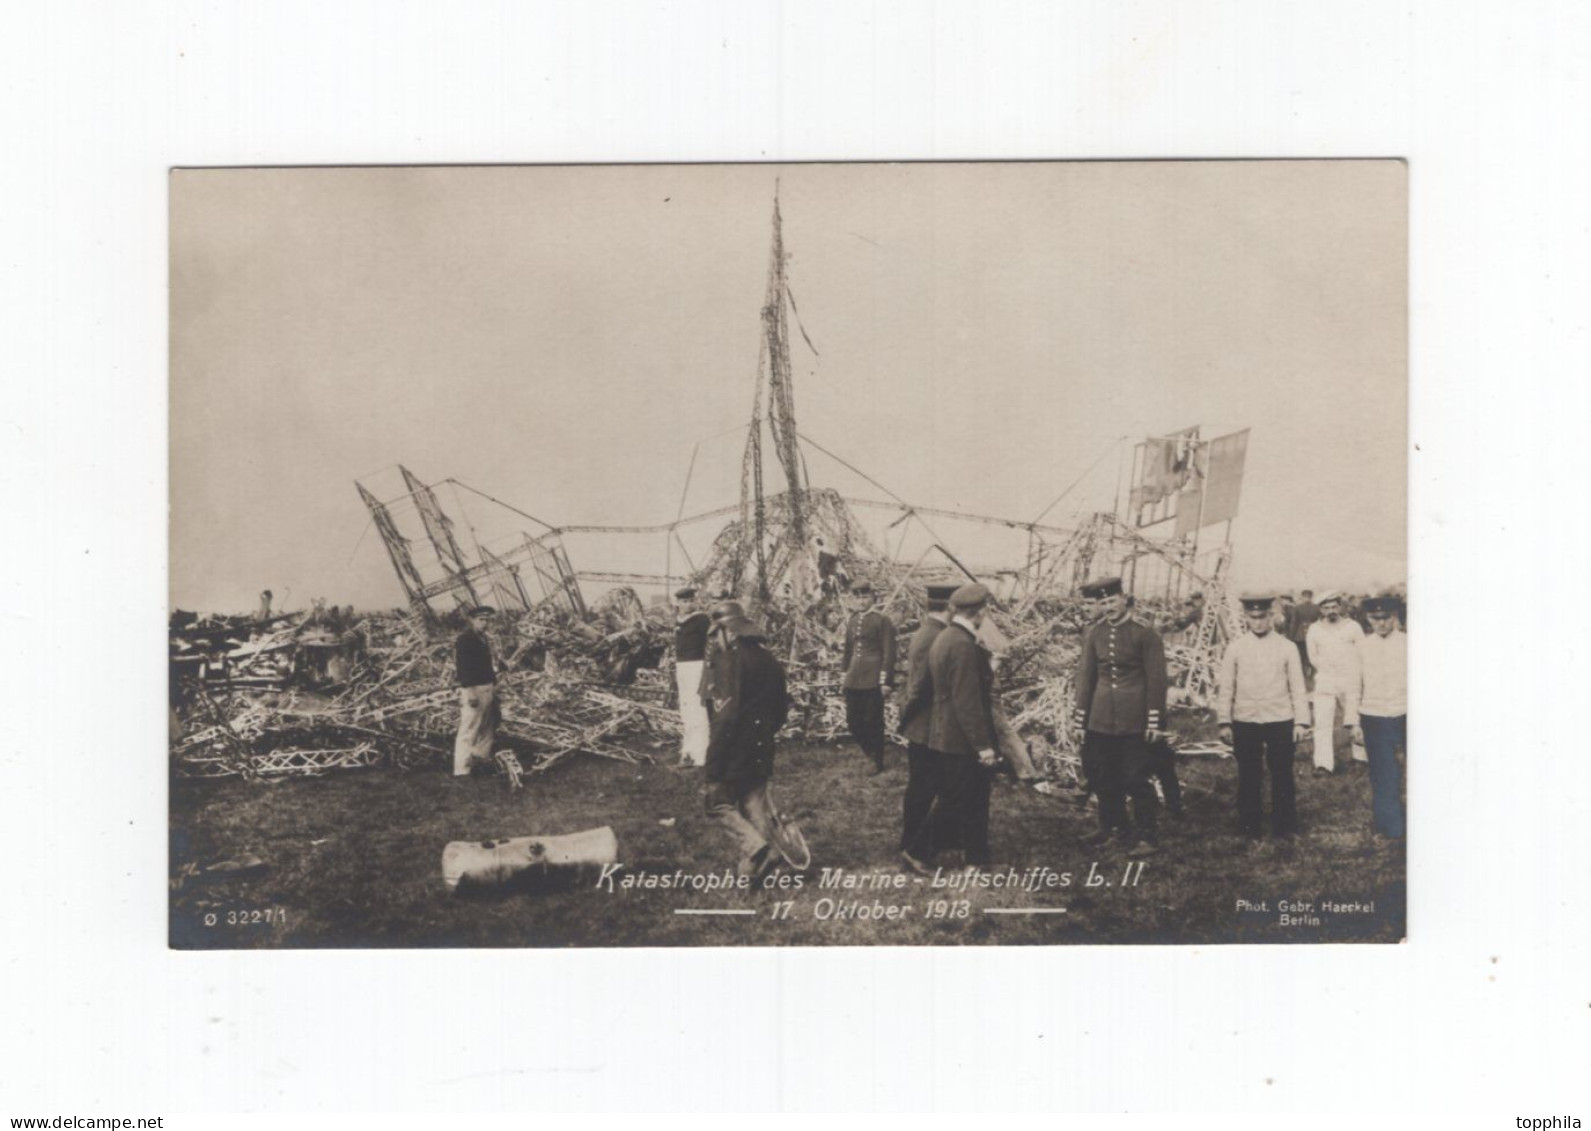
{"x":562,"y":337}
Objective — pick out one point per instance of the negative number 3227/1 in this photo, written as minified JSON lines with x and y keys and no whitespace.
{"x":249,"y":917}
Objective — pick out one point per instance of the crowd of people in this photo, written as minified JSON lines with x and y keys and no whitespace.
{"x":1294,"y":673}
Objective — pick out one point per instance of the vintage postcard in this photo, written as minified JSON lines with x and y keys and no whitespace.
{"x":788,"y":555}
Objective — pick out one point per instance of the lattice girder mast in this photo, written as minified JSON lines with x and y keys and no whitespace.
{"x":398,"y":551}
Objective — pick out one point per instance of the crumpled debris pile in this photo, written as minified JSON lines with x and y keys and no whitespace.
{"x":564,"y":685}
{"x":306,"y":693}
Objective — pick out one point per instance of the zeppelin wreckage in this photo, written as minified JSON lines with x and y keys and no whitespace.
{"x":584,"y":648}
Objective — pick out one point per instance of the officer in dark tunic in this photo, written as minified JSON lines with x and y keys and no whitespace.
{"x":1121,"y":698}
{"x":961,"y":728}
{"x":740,"y":752}
{"x":869,"y":663}
{"x":918,"y":843}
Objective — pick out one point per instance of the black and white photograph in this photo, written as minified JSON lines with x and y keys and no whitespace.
{"x":795,"y":558}
{"x":789,"y":555}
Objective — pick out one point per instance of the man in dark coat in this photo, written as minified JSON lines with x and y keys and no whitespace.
{"x":715,"y":664}
{"x":918,"y":843}
{"x":961,"y":728}
{"x":740,"y":751}
{"x":869,"y":663}
{"x":1305,"y":613}
{"x":1121,"y":698}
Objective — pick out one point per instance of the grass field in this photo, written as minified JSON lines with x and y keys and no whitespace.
{"x":354,"y":861}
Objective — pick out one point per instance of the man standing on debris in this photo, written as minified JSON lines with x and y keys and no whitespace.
{"x":740,"y":751}
{"x":917,"y":839}
{"x":961,"y":727}
{"x":869,"y":663}
{"x":1121,"y":698}
{"x":479,"y":711}
{"x":1384,"y":711}
{"x":1333,"y":644}
{"x":690,"y":650}
{"x":831,"y":571}
{"x":1261,"y":709}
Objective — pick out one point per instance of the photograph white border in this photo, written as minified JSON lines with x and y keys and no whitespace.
{"x":1485,"y":1006}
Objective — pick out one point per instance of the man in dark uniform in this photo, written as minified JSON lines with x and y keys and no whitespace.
{"x":477,"y":678}
{"x":715,"y":662}
{"x":961,"y":728}
{"x":1305,"y":613}
{"x":869,"y":663}
{"x":740,"y":752}
{"x":1121,"y":698}
{"x":917,"y":840}
{"x":690,"y":650}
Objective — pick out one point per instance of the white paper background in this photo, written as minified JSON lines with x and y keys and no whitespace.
{"x":1488,"y":1007}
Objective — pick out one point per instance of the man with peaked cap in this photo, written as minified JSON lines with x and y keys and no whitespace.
{"x":1384,"y":710}
{"x":961,"y":727}
{"x":715,"y":662}
{"x":1261,"y":708}
{"x":740,"y":751}
{"x":1333,"y":645}
{"x":691,"y":624}
{"x":1121,"y":700}
{"x":869,"y":663}
{"x":918,"y":843}
{"x":479,"y":711}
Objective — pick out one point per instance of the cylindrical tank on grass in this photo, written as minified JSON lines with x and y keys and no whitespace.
{"x":526,"y":862}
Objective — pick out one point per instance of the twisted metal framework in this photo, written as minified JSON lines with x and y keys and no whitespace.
{"x":765,"y":549}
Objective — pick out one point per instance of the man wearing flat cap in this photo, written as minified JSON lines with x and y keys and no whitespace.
{"x":1120,"y":706}
{"x":869,"y":663}
{"x":1261,"y":708}
{"x":479,"y":711}
{"x":1384,"y":711}
{"x":691,"y":624}
{"x":961,"y":726}
{"x":740,"y":751}
{"x":1333,"y":645}
{"x":918,"y":843}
